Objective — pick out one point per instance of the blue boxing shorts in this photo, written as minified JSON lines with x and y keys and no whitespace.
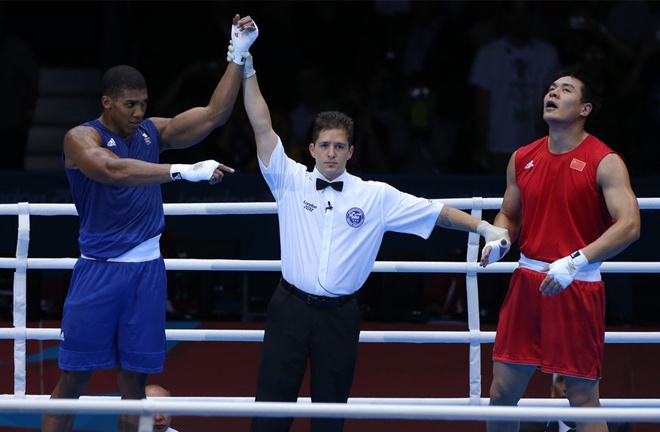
{"x":114,"y":315}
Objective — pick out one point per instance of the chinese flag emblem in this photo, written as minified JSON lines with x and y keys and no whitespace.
{"x":577,"y":164}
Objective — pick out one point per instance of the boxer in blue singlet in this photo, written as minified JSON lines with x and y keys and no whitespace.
{"x":114,"y":313}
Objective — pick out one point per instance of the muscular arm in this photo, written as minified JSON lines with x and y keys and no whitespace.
{"x":195,"y":124}
{"x":259,"y":116}
{"x":83,"y":151}
{"x":510,"y":212}
{"x":613,"y":178}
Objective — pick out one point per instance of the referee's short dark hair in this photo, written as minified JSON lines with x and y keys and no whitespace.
{"x":333,"y":120}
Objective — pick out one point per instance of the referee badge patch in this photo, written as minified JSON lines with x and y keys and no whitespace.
{"x":355,"y":217}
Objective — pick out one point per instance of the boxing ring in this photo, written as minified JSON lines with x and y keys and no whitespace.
{"x":471,"y":407}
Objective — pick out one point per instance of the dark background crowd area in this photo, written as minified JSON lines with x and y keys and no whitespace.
{"x":399,"y":68}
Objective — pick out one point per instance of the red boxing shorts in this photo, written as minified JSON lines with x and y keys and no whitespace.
{"x":563,"y":334}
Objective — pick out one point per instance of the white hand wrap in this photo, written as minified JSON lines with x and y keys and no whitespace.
{"x":242,"y":41}
{"x":494,"y":236}
{"x":248,"y":68}
{"x":230,"y":52}
{"x":563,"y":270}
{"x":194,"y":173}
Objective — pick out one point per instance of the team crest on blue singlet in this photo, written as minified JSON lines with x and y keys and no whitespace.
{"x":355,"y":217}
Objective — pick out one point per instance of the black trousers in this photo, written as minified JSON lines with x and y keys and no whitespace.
{"x":296,"y":333}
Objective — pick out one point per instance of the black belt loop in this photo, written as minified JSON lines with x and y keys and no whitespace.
{"x":314,"y":300}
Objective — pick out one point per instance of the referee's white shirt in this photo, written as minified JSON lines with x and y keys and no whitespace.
{"x":329,"y":240}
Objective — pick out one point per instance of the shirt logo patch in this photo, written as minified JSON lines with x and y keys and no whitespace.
{"x":577,"y":164}
{"x":146,"y":137}
{"x":529,"y":165}
{"x":111,"y":143}
{"x":309,"y":206}
{"x":355,"y":217}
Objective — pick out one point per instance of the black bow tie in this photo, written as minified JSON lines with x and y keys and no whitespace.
{"x":322,"y":184}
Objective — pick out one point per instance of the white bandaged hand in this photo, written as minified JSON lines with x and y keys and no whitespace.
{"x":497,"y":238}
{"x":194,"y":172}
{"x":230,"y":52}
{"x":242,"y":41}
{"x":563,"y":270}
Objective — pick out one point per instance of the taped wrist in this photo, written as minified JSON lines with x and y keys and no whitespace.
{"x":176,"y":171}
{"x":579,"y":260}
{"x":490,"y":232}
{"x":238,"y":59}
{"x":248,"y":68}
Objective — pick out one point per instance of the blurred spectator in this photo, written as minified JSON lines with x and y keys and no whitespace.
{"x":584,"y":23}
{"x":425,"y":23}
{"x":161,"y":421}
{"x":423,"y":141}
{"x":19,"y":87}
{"x":435,"y":59}
{"x":510,"y":75}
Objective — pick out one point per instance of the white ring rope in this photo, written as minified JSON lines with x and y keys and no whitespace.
{"x":214,"y":406}
{"x":366,"y":336}
{"x":379,"y":267}
{"x":471,"y":408}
